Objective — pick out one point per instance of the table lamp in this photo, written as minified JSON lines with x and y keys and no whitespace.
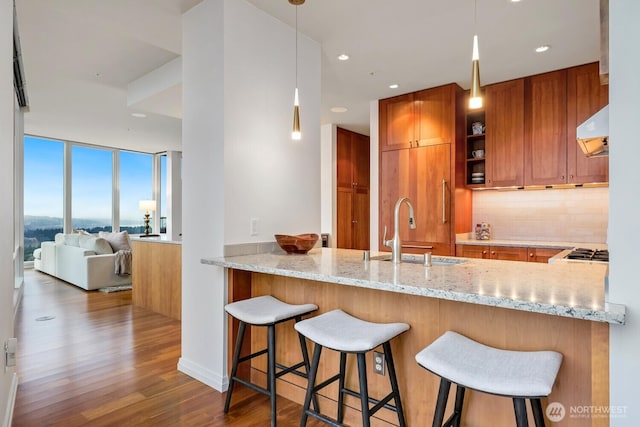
{"x":146,"y":206}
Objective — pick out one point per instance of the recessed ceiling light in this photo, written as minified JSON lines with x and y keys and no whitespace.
{"x":339,"y":109}
{"x":343,"y":57}
{"x":139,"y":115}
{"x":515,"y":1}
{"x":543,"y":48}
{"x":394,"y":86}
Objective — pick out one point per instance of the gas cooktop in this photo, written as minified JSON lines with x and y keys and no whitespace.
{"x":584,"y":254}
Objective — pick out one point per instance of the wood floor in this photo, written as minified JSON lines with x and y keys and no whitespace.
{"x":103,"y":362}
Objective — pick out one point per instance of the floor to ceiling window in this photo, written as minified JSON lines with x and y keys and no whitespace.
{"x":136,"y":183}
{"x":92,"y":189}
{"x":100,"y":197}
{"x":43,"y":192}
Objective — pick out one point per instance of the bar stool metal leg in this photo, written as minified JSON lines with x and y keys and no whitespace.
{"x":311,"y":386}
{"x":341,"y":393}
{"x":394,"y":382}
{"x":234,"y":369}
{"x":441,"y":403}
{"x":364,"y":390}
{"x":457,"y":411}
{"x":536,"y":408}
{"x":271,"y":371}
{"x":520,"y":407}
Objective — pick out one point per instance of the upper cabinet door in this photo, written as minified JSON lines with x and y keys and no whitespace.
{"x":505,"y":134}
{"x":585,"y":97}
{"x":396,"y":122}
{"x":546,"y":128}
{"x":434,"y":116}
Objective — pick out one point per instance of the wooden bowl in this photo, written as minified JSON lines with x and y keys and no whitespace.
{"x":300,"y":244}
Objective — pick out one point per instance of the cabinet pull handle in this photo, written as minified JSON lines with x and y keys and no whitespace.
{"x":444,"y":201}
{"x":410,"y":144}
{"x":531,"y":254}
{"x":484,"y":252}
{"x":417,"y":247}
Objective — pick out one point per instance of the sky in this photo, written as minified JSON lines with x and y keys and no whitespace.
{"x":91,"y":181}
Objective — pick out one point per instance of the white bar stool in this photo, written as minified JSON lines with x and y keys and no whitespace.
{"x":266,"y":311}
{"x":341,"y":332}
{"x":519,"y":375}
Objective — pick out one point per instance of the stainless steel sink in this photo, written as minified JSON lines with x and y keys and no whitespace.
{"x":419,"y":259}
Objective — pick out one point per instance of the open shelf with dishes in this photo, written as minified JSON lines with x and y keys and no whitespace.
{"x":475,"y":148}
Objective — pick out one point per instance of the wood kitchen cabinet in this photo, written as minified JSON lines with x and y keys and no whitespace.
{"x":585,"y":97}
{"x":506,"y":253}
{"x":352,"y":211}
{"x":417,"y":119}
{"x":546,"y":129}
{"x":555,"y":104}
{"x":424,"y":176}
{"x":505,"y":134}
{"x":430,"y":173}
{"x":542,"y":254}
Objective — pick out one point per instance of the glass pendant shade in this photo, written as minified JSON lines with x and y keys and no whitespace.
{"x":475,"y":97}
{"x":295,"y":133}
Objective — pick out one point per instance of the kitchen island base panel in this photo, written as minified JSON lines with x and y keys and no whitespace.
{"x":583,"y":379}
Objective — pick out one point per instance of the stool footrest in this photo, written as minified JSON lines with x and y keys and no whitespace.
{"x":291,"y":370}
{"x":378,"y":404}
{"x":252,"y":386}
{"x":252,"y":355}
{"x":324,"y":418}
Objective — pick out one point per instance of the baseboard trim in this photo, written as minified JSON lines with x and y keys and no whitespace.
{"x":204,"y":375}
{"x":13,"y":391}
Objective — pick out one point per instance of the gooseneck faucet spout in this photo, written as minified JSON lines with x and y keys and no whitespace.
{"x":395,"y":244}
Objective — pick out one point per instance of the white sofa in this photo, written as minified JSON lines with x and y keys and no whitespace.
{"x":83,"y":260}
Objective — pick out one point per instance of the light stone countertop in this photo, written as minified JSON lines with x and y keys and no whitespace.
{"x":155,"y":239}
{"x":465,"y":239}
{"x":566,"y":289}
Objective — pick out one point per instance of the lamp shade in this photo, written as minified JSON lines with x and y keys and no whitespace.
{"x":147,"y":205}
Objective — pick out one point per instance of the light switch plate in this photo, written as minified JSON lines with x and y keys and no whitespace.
{"x":10,"y":348}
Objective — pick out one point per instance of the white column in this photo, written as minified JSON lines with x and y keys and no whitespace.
{"x":174,"y":195}
{"x":624,"y":208}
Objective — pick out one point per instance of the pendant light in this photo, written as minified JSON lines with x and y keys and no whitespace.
{"x":475,"y":97}
{"x":295,"y":133}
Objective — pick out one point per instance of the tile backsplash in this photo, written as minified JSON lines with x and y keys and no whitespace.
{"x":573,"y":215}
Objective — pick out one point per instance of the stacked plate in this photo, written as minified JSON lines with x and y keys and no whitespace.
{"x":477,"y":178}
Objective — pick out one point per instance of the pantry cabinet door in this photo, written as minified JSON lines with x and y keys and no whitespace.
{"x":505,"y":134}
{"x":546,"y":129}
{"x":396,"y":122}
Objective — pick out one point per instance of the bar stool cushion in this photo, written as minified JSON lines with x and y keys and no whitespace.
{"x":339,"y":331}
{"x":527,"y":374}
{"x":266,"y":310}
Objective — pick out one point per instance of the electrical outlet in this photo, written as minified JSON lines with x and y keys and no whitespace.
{"x":10,"y":348}
{"x":378,"y":363}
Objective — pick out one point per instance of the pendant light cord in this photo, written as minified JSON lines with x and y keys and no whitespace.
{"x":296,"y":46}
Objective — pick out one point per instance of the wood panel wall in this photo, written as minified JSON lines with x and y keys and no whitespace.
{"x":157,"y":277}
{"x":583,"y":379}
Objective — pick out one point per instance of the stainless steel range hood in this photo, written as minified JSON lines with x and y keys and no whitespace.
{"x":593,"y":134}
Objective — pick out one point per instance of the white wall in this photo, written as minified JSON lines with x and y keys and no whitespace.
{"x":624,"y":207}
{"x":7,"y":105}
{"x":374,"y":192}
{"x":239,"y":161}
{"x":328,"y":184}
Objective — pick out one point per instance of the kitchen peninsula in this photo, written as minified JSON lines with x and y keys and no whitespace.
{"x":519,"y":306}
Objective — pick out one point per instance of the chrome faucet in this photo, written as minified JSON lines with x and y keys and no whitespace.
{"x":395,"y":244}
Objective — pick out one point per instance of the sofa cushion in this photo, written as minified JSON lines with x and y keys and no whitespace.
{"x":97,"y":244}
{"x":118,"y":241}
{"x":72,"y":240}
{"x":37,"y":254}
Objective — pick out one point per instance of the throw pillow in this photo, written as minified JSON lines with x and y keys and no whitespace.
{"x":118,"y":241}
{"x":97,"y":244}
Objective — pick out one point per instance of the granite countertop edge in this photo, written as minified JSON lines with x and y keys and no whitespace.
{"x":412,"y":285}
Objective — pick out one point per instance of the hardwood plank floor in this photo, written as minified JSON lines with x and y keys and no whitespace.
{"x":103,"y":362}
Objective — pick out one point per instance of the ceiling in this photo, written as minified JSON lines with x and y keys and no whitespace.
{"x":81,"y":57}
